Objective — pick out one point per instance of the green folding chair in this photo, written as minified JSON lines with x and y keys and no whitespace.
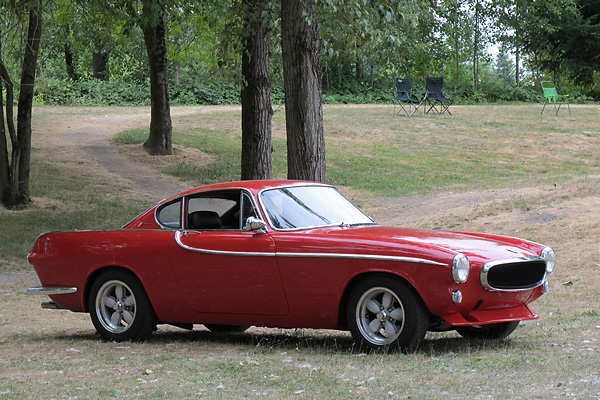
{"x":552,"y":97}
{"x":404,"y":98}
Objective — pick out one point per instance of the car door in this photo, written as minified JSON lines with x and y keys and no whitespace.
{"x":220,"y":267}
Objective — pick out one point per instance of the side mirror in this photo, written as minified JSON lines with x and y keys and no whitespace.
{"x":255,"y":225}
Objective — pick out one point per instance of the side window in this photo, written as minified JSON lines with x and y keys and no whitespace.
{"x":226,"y":210}
{"x":169,"y":215}
{"x":214,"y":211}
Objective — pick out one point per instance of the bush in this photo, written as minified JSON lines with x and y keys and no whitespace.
{"x":94,"y":92}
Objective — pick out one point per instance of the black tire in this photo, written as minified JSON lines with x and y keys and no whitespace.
{"x":218,"y":328}
{"x":385,"y":313}
{"x":492,"y":331}
{"x":120,"y":308}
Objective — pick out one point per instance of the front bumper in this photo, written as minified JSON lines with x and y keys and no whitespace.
{"x":483,"y":317}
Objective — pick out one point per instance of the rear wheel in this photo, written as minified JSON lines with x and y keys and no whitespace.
{"x":491,"y":331}
{"x":120,"y":308}
{"x":386,"y":314}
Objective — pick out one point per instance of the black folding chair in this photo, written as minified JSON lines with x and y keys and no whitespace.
{"x":435,"y":96}
{"x":404,"y":97}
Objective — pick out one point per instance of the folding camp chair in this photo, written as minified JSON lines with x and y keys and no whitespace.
{"x":552,"y":97}
{"x":404,"y":97}
{"x":435,"y":96}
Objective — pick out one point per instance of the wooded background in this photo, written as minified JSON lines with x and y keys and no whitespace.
{"x":93,"y":52}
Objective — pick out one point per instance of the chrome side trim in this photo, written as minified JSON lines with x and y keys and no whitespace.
{"x":483,"y":275}
{"x":363,"y":257}
{"x":51,"y":290}
{"x":179,"y":234}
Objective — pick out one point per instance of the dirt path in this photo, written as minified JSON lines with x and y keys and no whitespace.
{"x":87,"y":140}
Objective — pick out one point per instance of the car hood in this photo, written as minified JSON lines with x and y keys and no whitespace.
{"x":432,"y":244}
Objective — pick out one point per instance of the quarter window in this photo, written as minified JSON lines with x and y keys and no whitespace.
{"x":169,"y":215}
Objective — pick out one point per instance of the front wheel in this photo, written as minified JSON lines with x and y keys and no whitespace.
{"x":386,"y":314}
{"x":119,"y":307}
{"x":490,"y":331}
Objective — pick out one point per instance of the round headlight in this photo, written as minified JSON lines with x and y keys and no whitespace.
{"x":460,"y":268}
{"x":550,"y":257}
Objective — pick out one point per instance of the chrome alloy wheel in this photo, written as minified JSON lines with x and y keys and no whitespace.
{"x":380,"y":316}
{"x":115,"y":306}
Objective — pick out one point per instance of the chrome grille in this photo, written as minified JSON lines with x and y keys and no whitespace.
{"x":513,"y":274}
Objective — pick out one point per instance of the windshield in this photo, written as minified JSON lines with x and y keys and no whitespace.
{"x":310,"y":206}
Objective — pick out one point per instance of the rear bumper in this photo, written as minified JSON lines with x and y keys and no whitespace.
{"x":483,"y":317}
{"x":51,"y":290}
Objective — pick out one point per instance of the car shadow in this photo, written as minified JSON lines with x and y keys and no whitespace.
{"x":436,"y":344}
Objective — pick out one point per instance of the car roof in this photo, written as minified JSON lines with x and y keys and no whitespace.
{"x":251,"y":185}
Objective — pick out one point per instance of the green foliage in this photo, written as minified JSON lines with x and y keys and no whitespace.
{"x":214,"y":92}
{"x":366,"y":45}
{"x":93,"y":92}
{"x":502,"y":92}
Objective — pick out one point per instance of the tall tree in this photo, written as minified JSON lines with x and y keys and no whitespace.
{"x":256,"y":91}
{"x":14,"y":182}
{"x":478,"y":21}
{"x":302,"y":83}
{"x":159,"y":141}
{"x":576,"y":40}
{"x":510,"y":15}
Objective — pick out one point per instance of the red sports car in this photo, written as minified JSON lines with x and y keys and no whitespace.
{"x":292,"y":255}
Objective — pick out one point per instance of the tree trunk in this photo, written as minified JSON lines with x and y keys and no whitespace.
{"x":8,"y":191}
{"x":176,"y":75}
{"x":302,"y":83}
{"x":517,"y":56}
{"x":359,"y":66}
{"x":256,"y":96}
{"x":4,"y":162}
{"x":100,"y":62}
{"x":160,"y":139}
{"x":457,"y":56}
{"x":69,"y":63}
{"x":476,"y":48}
{"x":69,"y":56}
{"x":22,"y":153}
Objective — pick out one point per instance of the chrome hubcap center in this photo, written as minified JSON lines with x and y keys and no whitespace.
{"x":382,"y":315}
{"x":118,"y":306}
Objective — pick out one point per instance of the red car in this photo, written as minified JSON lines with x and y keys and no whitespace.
{"x":292,"y":255}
